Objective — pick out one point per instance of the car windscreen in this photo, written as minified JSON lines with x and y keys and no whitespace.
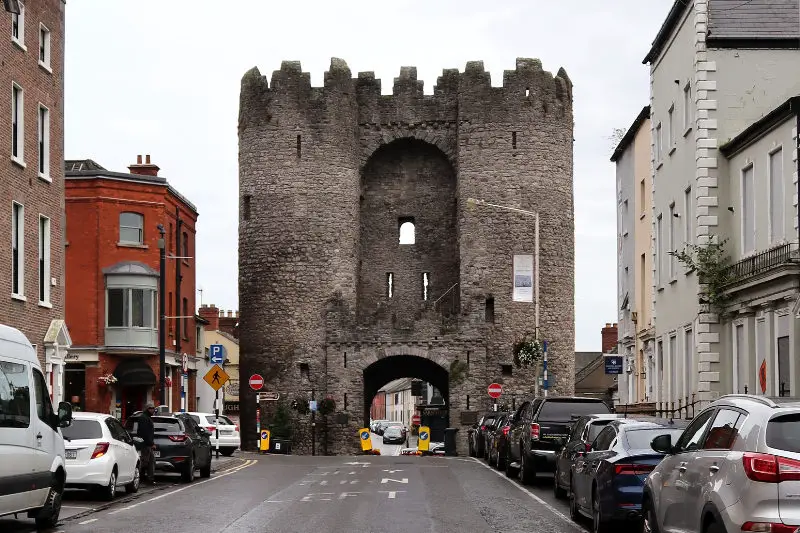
{"x":15,"y":399}
{"x":639,"y":439}
{"x":595,"y":428}
{"x":83,"y":429}
{"x":393,"y":430}
{"x":166,"y":425}
{"x":783,"y":433}
{"x":226,"y":420}
{"x":560,"y":411}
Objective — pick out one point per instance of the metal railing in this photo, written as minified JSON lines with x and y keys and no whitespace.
{"x":683,"y":409}
{"x":765,"y":261}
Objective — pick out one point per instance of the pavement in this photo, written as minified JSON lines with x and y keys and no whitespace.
{"x":387,"y":494}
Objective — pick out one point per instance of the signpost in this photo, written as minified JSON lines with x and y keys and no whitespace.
{"x":495,"y":390}
{"x":613,"y":364}
{"x":268,"y":396}
{"x":216,"y":377}
{"x":216,"y":354}
{"x":256,"y":381}
{"x":184,"y":378}
{"x":424,"y":441}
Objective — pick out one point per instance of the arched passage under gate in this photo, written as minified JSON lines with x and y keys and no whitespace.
{"x":388,"y":369}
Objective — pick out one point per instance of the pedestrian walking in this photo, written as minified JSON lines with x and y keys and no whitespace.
{"x":146,"y":432}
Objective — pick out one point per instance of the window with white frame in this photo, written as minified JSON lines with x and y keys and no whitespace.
{"x":673,"y":368}
{"x":739,"y":359}
{"x":688,"y":217}
{"x":44,"y":259}
{"x":642,"y":198}
{"x":658,"y":251}
{"x":18,"y":26}
{"x":688,"y":361}
{"x":776,"y":197}
{"x":671,"y":127}
{"x":659,"y":148}
{"x":44,"y":46}
{"x":748,"y":211}
{"x":671,"y":257}
{"x":761,"y":326}
{"x":44,"y":142}
{"x":17,"y":123}
{"x":131,"y":228}
{"x":687,"y":106}
{"x":625,"y":217}
{"x":17,"y":249}
{"x":131,"y":308}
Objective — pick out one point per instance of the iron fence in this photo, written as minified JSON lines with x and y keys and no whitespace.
{"x":764,"y":262}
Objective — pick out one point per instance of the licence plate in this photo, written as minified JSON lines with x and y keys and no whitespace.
{"x":71,"y":454}
{"x":156,"y":453}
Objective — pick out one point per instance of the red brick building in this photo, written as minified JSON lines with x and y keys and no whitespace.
{"x":32,"y":179}
{"x":112,"y":262}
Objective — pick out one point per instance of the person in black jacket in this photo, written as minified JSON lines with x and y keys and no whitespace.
{"x":146,"y":432}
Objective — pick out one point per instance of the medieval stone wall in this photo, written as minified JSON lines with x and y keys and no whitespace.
{"x":327,"y":173}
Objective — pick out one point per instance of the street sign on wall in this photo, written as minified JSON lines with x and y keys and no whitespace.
{"x":216,"y":354}
{"x":416,"y":419}
{"x":495,"y":390}
{"x":256,"y":381}
{"x":613,"y":364}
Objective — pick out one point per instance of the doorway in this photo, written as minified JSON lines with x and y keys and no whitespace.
{"x":75,"y":385}
{"x":132,"y":399}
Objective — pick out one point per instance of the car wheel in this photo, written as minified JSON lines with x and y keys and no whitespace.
{"x":227,"y":452}
{"x":188,"y":472}
{"x":714,"y":527}
{"x":205,"y":472}
{"x":574,"y":514}
{"x":133,"y":486}
{"x":558,"y":492}
{"x":527,"y":473}
{"x":110,"y":490}
{"x":47,"y":516}
{"x":599,"y":524}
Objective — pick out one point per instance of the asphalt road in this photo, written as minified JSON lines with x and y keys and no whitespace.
{"x":385,"y":494}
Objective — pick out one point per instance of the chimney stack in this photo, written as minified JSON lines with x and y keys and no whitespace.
{"x":609,"y":338}
{"x":211,"y":314}
{"x":146,"y":169}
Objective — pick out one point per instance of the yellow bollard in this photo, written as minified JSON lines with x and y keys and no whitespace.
{"x":366,"y":439}
{"x":263,"y":443}
{"x":424,"y":442}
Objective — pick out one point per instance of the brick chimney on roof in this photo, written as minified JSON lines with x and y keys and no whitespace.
{"x":210,"y":313}
{"x":609,"y":338}
{"x":144,"y":169}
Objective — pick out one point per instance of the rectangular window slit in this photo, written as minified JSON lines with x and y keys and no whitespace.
{"x":345,"y":359}
{"x":506,"y":370}
{"x":426,"y":286}
{"x":467,"y":402}
{"x":299,"y":143}
{"x":489,"y":312}
{"x":246,"y":207}
{"x":514,"y":140}
{"x":468,"y":354}
{"x":389,"y":284}
{"x":345,"y":401}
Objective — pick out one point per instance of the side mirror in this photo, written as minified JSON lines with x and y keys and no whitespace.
{"x":138,"y":443}
{"x":662,"y":444}
{"x":64,"y":414}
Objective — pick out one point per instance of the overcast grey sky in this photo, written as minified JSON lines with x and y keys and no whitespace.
{"x":161,"y":77}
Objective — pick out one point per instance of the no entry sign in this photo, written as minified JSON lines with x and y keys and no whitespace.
{"x":416,"y":419}
{"x":256,"y":381}
{"x":495,"y":390}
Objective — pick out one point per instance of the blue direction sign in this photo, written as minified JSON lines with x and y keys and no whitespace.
{"x":216,"y":354}
{"x":364,"y":435}
{"x":613,"y":364}
{"x":423,"y":435}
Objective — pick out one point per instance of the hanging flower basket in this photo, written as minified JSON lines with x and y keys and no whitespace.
{"x":528,"y":352}
{"x":168,"y":381}
{"x":326,"y":406}
{"x":108,"y":379}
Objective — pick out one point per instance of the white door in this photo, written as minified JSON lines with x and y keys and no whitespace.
{"x":45,"y":433}
{"x":16,"y":434}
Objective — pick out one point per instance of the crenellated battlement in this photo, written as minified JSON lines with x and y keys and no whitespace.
{"x":528,"y":84}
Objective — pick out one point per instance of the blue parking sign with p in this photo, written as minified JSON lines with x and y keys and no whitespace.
{"x":216,"y":354}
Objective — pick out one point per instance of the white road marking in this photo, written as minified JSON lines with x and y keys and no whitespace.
{"x":248,"y":463}
{"x":75,"y":507}
{"x":87,"y":521}
{"x":392,"y":493}
{"x":386,"y":480}
{"x":546,"y":505}
{"x":393,"y":471}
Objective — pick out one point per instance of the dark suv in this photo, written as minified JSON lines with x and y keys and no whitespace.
{"x":540,"y":428}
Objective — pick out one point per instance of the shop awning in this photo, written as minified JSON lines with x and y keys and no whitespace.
{"x":134,"y":372}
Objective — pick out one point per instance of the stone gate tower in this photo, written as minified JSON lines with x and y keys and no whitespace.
{"x":332,"y":302}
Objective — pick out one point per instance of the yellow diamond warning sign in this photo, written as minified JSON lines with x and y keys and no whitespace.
{"x":216,"y":377}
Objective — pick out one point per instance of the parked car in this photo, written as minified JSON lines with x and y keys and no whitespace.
{"x":607,"y":481}
{"x":101,"y":455}
{"x":736,"y":467}
{"x":32,"y":470}
{"x":375,"y":424}
{"x":477,"y":434}
{"x":584,"y":430}
{"x":182,"y":446}
{"x":394,"y":435}
{"x":497,"y":440}
{"x":539,"y":429}
{"x":229,"y":437}
{"x":394,"y":423}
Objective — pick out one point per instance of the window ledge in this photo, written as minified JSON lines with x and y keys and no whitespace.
{"x":19,"y":44}
{"x":132,"y":245}
{"x":19,"y":162}
{"x":672,"y":150}
{"x":659,"y":165}
{"x":45,"y":177}
{"x":688,"y":131}
{"x":45,"y":66}
{"x":18,"y":297}
{"x":47,"y":305}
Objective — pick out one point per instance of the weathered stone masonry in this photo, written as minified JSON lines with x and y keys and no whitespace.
{"x":327,"y":174}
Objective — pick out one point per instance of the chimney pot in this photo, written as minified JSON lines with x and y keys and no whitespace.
{"x":147,"y":159}
{"x":139,"y":159}
{"x":608,"y":324}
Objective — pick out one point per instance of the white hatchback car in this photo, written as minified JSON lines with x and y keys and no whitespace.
{"x":229,"y":437}
{"x":100,"y":454}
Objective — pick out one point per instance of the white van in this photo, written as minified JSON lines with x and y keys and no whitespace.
{"x":32,"y":472}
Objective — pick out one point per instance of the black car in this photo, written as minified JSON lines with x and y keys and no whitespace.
{"x":477,"y":434}
{"x":394,"y":435}
{"x":497,"y":440}
{"x":584,"y":430}
{"x":181,"y":444}
{"x":608,"y":481}
{"x":539,"y":429}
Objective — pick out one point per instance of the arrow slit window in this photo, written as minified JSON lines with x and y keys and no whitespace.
{"x":426,"y":286}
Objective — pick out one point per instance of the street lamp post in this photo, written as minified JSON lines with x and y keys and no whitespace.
{"x":162,"y":326}
{"x":535,"y":214}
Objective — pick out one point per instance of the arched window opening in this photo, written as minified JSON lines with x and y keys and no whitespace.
{"x":407,"y":231}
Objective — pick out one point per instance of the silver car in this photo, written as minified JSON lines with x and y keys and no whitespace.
{"x":736,"y":467}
